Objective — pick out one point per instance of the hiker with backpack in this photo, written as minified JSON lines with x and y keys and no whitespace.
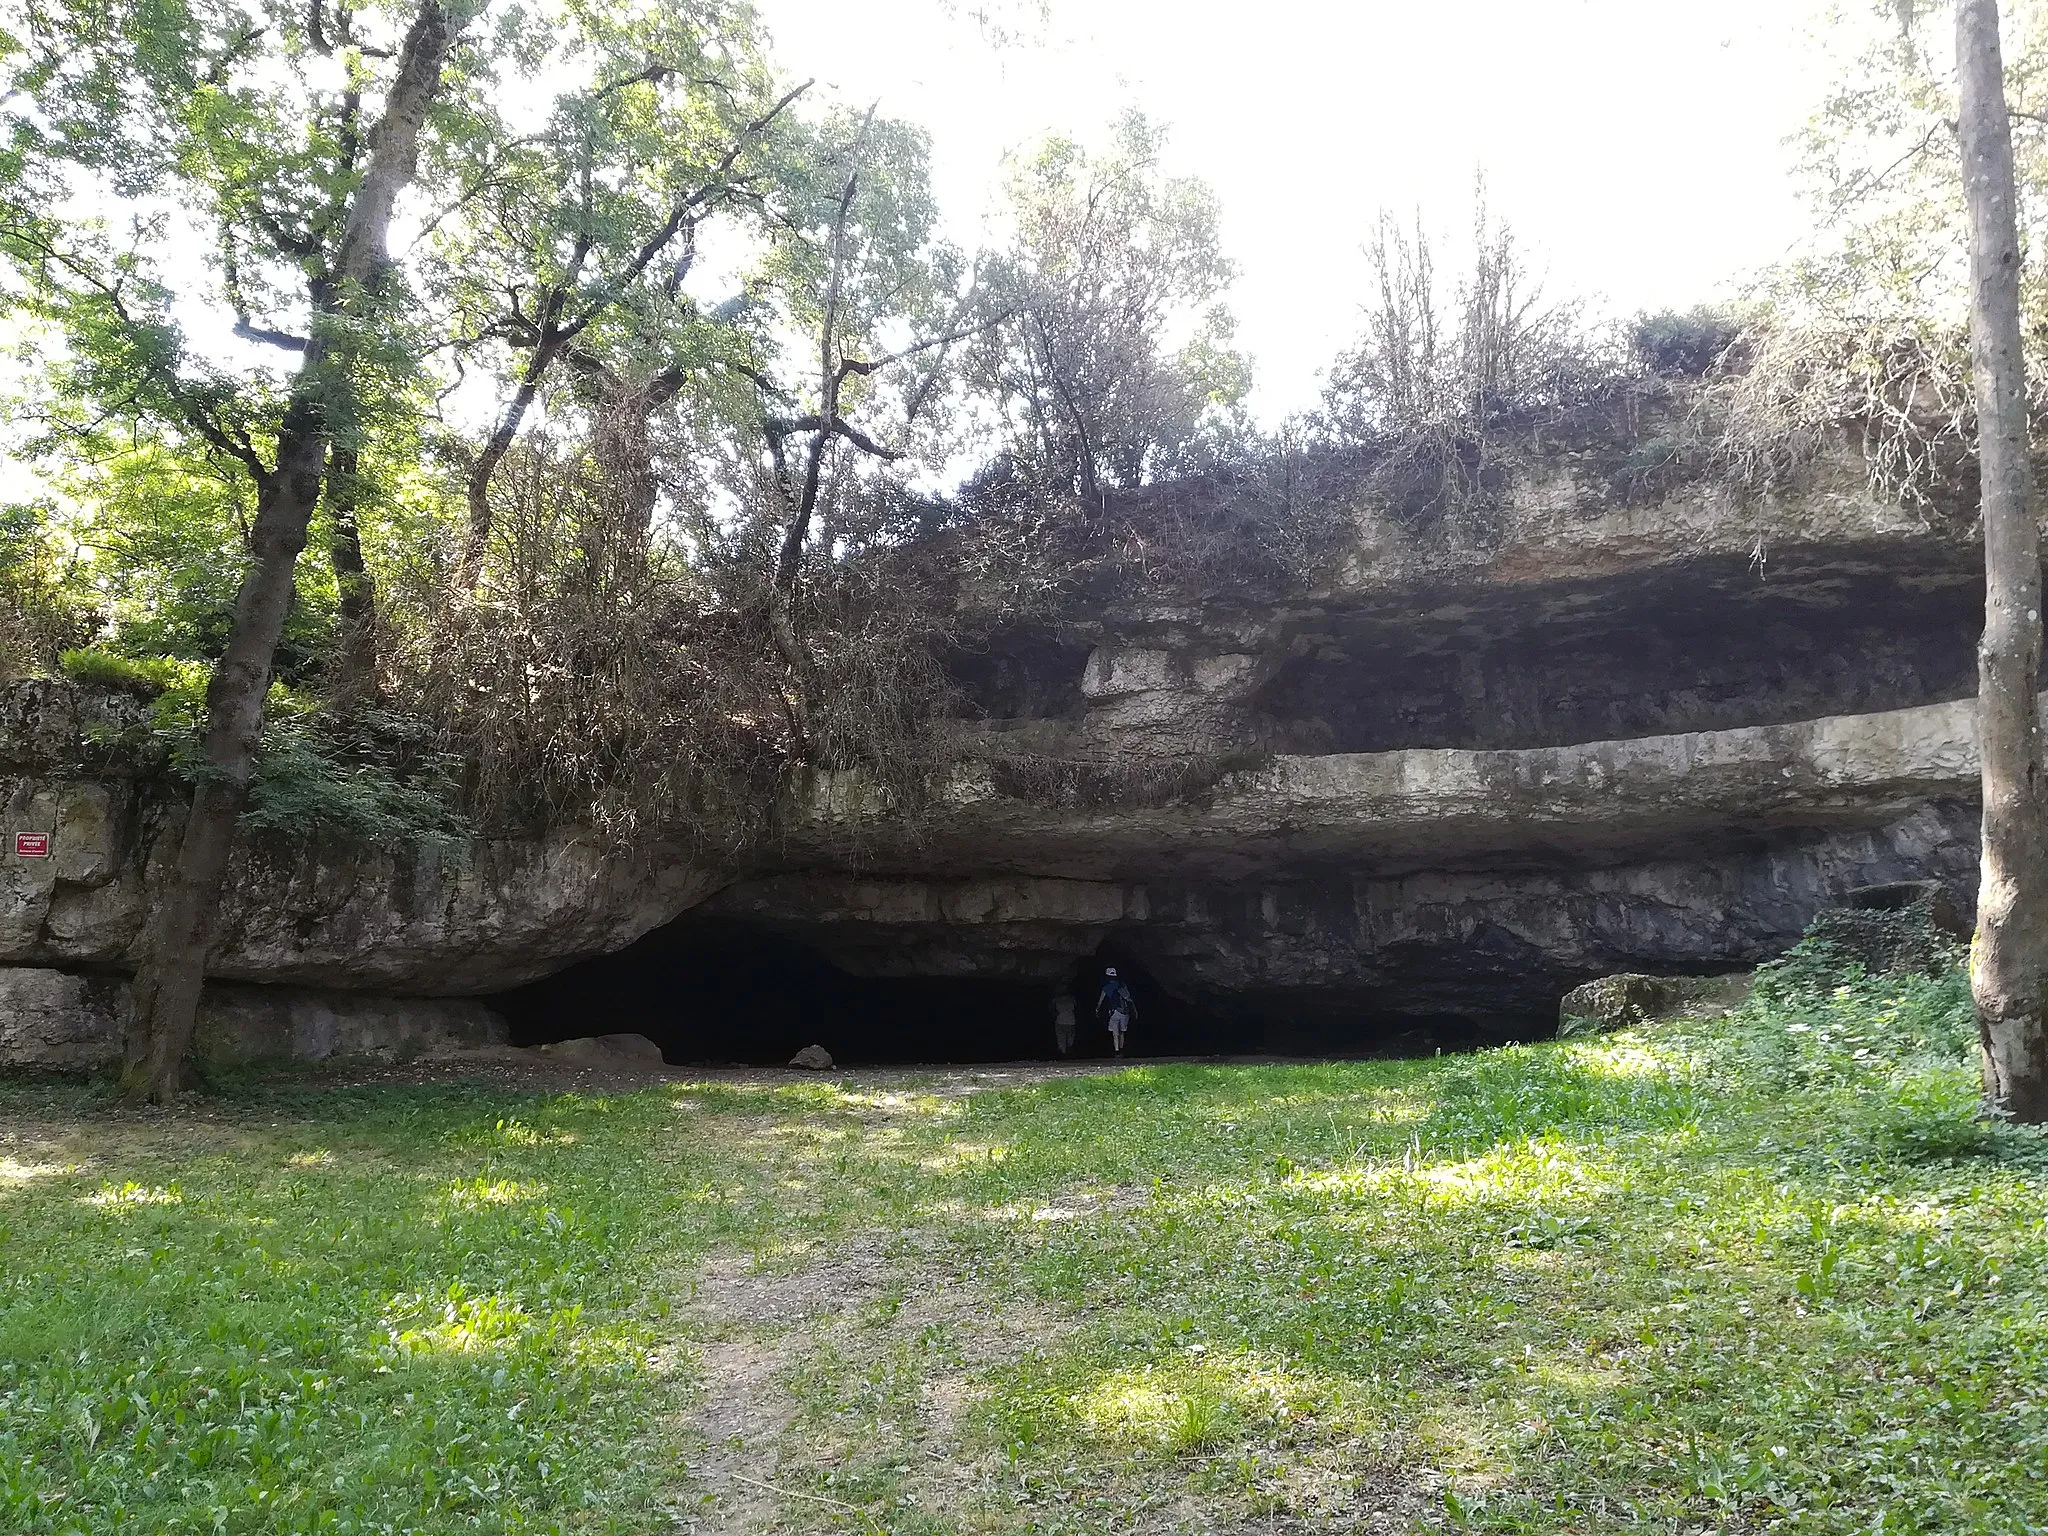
{"x":1115,"y":1007}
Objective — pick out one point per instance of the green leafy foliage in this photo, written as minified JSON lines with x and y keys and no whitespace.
{"x":43,"y":608}
{"x":375,"y":782}
{"x":1111,"y":256}
{"x":1685,"y":344}
{"x":146,"y":677}
{"x":373,"y":779}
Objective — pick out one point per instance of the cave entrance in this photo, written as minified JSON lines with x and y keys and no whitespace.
{"x":715,"y":991}
{"x":718,"y":992}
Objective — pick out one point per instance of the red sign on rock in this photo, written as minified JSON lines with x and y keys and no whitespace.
{"x":32,"y":845}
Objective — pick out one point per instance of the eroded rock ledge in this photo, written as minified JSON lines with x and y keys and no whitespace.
{"x":1651,"y":739}
{"x":1418,"y":882}
{"x":1389,"y":813}
{"x":63,"y":1021}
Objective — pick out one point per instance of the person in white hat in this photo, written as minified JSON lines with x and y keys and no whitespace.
{"x":1115,"y":1007}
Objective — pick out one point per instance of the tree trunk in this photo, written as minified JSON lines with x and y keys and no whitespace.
{"x":356,"y":644}
{"x":476,"y":541}
{"x":2009,"y":965}
{"x":180,"y":932}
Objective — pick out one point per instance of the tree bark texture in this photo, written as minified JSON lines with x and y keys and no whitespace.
{"x":476,"y":541}
{"x":356,"y":644}
{"x":2009,"y":963}
{"x":178,"y":937}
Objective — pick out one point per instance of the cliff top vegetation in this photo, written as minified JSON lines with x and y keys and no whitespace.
{"x":678,"y":448}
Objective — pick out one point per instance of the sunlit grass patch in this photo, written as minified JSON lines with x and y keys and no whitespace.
{"x":959,"y":1154}
{"x":128,"y":1195}
{"x":807,"y":1097}
{"x":16,"y":1171}
{"x":1196,"y":1402}
{"x":1515,"y":1174}
{"x":478,"y":1193}
{"x":455,"y":1321}
{"x":517,"y":1133}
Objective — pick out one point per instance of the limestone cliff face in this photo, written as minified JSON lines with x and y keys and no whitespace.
{"x":1476,"y":773}
{"x":1432,"y":883}
{"x":508,"y":912}
{"x":1451,"y":779}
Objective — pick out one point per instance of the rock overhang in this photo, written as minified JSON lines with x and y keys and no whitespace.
{"x":1456,"y":776}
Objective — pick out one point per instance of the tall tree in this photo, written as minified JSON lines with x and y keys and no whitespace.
{"x":579,"y":239}
{"x":201,"y":197}
{"x":2009,"y":968}
{"x":260,"y":129}
{"x":345,"y":274}
{"x":856,"y":260}
{"x":1110,"y":257}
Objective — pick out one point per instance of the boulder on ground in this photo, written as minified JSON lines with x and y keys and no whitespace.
{"x":1615,"y":1002}
{"x":1629,"y":1000}
{"x":815,"y":1057}
{"x":607,"y":1051}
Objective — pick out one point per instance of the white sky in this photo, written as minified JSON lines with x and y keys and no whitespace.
{"x":1637,"y":146}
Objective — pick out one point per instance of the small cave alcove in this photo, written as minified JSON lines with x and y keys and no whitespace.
{"x":715,"y":991}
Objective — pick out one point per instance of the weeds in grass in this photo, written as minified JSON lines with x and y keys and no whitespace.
{"x":1763,"y":1272}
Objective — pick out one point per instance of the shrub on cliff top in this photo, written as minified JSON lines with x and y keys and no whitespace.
{"x":1453,"y":388}
{"x":1687,"y":344}
{"x":147,"y":677}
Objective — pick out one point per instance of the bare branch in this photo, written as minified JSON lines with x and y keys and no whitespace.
{"x":283,"y":339}
{"x":653,"y":74}
{"x":788,"y":560}
{"x":863,"y":442}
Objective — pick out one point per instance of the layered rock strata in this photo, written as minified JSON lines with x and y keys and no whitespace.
{"x":1456,"y":777}
{"x":63,"y":1021}
{"x":366,"y":919}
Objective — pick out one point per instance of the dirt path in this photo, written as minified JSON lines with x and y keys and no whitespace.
{"x":754,"y":1327}
{"x":859,"y":1358}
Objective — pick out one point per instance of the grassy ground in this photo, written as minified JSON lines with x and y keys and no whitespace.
{"x":1759,"y":1273}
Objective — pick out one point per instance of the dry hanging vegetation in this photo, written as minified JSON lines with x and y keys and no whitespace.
{"x":1453,"y":390}
{"x":621,"y":675}
{"x":1896,"y":392}
{"x":1448,"y":396}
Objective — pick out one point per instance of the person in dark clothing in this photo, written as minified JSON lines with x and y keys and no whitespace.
{"x":1114,"y":1007}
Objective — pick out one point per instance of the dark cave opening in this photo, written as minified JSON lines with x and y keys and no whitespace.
{"x":717,"y":992}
